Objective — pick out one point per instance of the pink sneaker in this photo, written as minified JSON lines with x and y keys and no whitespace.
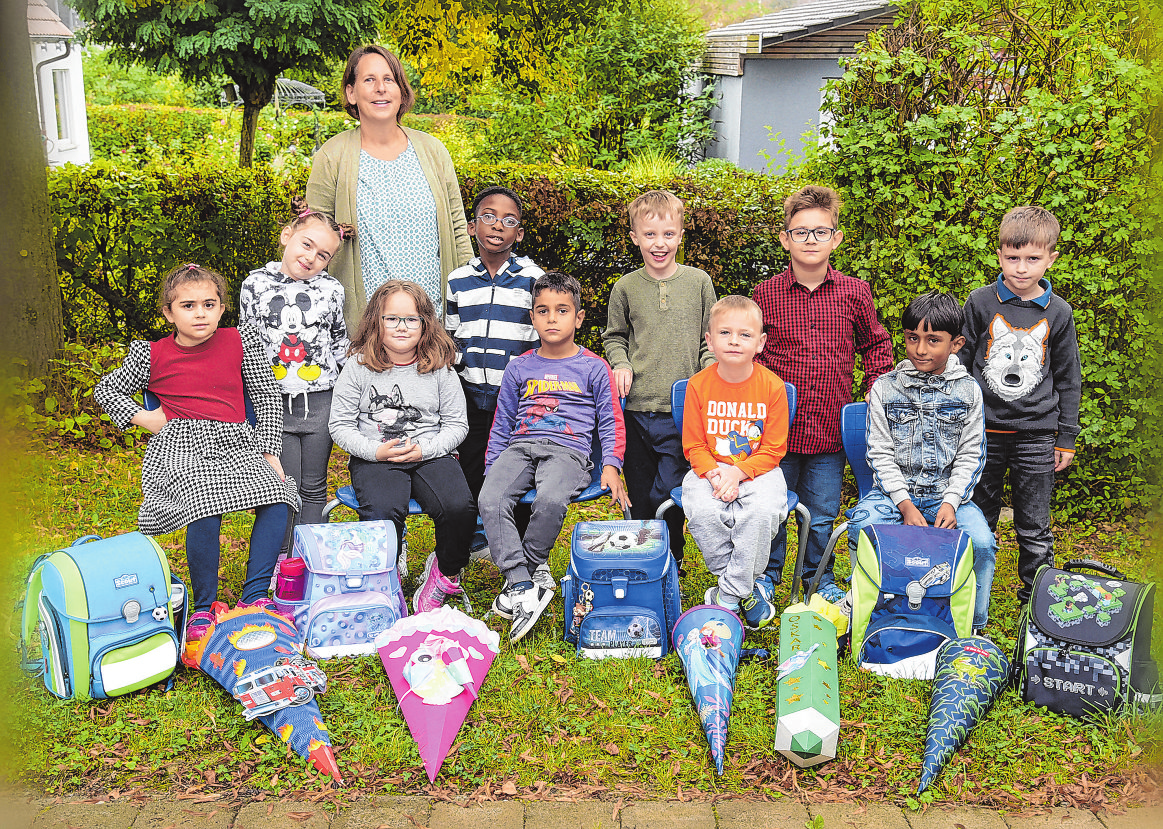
{"x":196,"y":628}
{"x":435,"y":588}
{"x":269,"y":605}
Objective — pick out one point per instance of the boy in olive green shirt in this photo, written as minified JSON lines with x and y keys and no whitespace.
{"x":653,"y":338}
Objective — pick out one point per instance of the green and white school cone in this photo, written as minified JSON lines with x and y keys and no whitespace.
{"x":808,"y":693}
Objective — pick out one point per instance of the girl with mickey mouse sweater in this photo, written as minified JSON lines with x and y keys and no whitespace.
{"x":297,"y":308}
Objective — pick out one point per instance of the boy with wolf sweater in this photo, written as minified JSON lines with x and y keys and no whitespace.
{"x":1022,"y":347}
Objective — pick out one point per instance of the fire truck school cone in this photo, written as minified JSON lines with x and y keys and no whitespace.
{"x":708,"y":639}
{"x":244,"y":648}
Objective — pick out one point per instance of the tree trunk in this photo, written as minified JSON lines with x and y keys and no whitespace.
{"x":255,"y":96}
{"x":30,"y":292}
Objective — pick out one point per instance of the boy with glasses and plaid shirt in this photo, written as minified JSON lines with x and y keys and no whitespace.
{"x":816,"y":319}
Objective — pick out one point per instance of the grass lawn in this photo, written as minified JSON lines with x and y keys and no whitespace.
{"x":546,"y":724}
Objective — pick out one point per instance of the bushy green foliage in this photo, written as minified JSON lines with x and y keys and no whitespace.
{"x":61,"y":404}
{"x":619,"y":87}
{"x":108,"y":82}
{"x":284,"y":140}
{"x":120,"y":226}
{"x":958,"y":113}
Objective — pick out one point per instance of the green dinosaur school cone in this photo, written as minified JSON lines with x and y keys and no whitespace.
{"x":808,"y":694}
{"x":971,"y":674}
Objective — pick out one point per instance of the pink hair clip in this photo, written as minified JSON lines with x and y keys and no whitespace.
{"x":191,"y":266}
{"x":305,"y":212}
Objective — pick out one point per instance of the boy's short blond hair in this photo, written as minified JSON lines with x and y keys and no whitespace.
{"x":1028,"y":225}
{"x":810,"y":197}
{"x":734,"y":302}
{"x":661,"y":203}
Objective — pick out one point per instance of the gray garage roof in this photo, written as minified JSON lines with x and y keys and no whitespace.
{"x":828,"y":27}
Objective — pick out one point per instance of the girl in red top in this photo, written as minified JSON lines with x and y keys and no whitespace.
{"x":205,"y":458}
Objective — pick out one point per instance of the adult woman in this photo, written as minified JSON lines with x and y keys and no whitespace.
{"x":397,"y":185}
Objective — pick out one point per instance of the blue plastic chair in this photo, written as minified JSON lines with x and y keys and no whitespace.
{"x":677,"y":404}
{"x":854,"y":435}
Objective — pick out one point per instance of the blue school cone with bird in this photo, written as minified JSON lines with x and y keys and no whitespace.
{"x":708,"y":639}
{"x":971,"y":674}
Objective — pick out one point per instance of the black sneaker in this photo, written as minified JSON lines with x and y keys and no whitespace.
{"x":528,"y":601}
{"x":503,"y":604}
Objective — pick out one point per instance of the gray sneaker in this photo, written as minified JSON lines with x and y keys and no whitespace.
{"x":502,"y":605}
{"x":528,"y":601}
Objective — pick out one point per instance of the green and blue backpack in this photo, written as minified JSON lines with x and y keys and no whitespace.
{"x":108,"y":615}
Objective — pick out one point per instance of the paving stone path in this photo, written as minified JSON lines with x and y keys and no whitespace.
{"x":26,"y":812}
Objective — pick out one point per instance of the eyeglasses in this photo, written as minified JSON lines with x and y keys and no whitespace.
{"x":392,"y":321}
{"x":820,"y":234}
{"x":489,"y":219}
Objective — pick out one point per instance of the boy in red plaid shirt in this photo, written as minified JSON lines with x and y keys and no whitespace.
{"x":816,"y":319}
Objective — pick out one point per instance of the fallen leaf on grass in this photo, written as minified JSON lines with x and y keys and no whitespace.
{"x":510,"y":788}
{"x":611,"y":749}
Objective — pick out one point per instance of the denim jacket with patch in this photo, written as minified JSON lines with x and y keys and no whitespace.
{"x":926,"y":433}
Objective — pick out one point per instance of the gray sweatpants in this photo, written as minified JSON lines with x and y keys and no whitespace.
{"x":558,"y":474}
{"x":735,"y":538}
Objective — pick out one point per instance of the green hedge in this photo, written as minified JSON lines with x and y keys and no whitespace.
{"x":120,"y":227}
{"x":180,"y":134}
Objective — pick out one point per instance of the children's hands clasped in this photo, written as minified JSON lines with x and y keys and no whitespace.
{"x":612,"y":481}
{"x":725,"y":482}
{"x":399,"y":451}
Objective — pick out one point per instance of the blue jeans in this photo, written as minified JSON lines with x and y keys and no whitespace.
{"x":878,"y":508}
{"x":1029,"y":459}
{"x":816,"y":480}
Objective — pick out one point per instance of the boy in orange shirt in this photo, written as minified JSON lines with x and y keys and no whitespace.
{"x":734,"y":433}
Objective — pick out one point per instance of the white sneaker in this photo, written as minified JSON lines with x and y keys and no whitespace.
{"x":528,"y":601}
{"x":542,"y":577}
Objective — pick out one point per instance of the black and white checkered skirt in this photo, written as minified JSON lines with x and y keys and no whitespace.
{"x":196,"y":468}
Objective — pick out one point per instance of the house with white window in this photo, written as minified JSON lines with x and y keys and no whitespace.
{"x":60,"y":87}
{"x":771,"y":72}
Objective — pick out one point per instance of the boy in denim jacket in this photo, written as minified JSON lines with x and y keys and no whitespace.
{"x":926,"y":439}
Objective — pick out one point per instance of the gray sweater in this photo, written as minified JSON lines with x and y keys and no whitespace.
{"x":369,"y":408}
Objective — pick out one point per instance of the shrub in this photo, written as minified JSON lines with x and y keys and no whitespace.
{"x":61,"y":405}
{"x":946,"y":120}
{"x":285,"y":139}
{"x":120,"y":227}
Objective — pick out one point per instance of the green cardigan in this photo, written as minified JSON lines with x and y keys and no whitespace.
{"x":332,"y":187}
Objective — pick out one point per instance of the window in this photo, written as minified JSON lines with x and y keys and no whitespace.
{"x":63,"y":100}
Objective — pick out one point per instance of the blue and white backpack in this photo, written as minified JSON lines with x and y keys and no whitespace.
{"x":621,"y":593}
{"x":352,"y":591}
{"x":913,"y":589}
{"x":108,"y":615}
